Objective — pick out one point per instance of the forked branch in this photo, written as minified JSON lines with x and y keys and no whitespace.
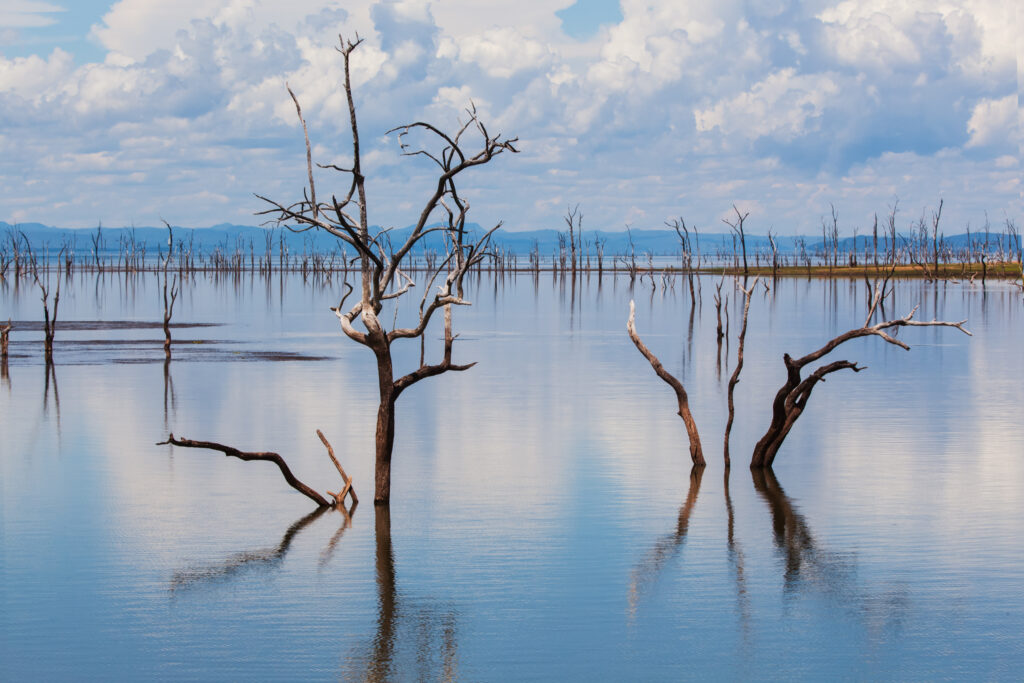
{"x":792,"y":398}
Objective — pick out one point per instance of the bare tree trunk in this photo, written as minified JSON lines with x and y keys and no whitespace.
{"x":735,"y":379}
{"x":696,"y":452}
{"x":381,"y":264}
{"x":5,"y":331}
{"x":385,"y":444}
{"x":169,"y":299}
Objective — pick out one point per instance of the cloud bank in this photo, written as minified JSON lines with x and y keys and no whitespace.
{"x":674,"y":109}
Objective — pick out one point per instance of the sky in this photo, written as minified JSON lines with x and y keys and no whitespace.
{"x":140,"y":110}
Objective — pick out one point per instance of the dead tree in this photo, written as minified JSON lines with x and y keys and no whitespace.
{"x":696,"y":452}
{"x":382,"y":278}
{"x":792,"y":398}
{"x":169,"y":299}
{"x":737,"y":228}
{"x":49,"y":323}
{"x":286,"y":472}
{"x":936,"y":216}
{"x":686,"y":253}
{"x":735,"y":379}
{"x":775,"y":255}
{"x":574,"y":219}
{"x":5,"y":332}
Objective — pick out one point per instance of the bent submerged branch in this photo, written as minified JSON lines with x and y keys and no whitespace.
{"x":276,"y":458}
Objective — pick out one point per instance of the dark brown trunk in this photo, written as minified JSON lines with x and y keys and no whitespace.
{"x":384,"y":442}
{"x":768,"y":445}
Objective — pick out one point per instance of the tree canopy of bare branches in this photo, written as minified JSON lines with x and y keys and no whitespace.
{"x":382,"y":278}
{"x":792,"y":398}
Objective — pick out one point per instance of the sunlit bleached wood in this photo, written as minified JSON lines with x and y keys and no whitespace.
{"x":696,"y":452}
{"x":348,"y":489}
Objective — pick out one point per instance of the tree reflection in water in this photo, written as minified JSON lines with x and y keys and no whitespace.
{"x":737,"y":563}
{"x":805,"y":562}
{"x":811,"y":568}
{"x":414,"y":640}
{"x":808,"y":567}
{"x":237,"y":563}
{"x":647,"y":570}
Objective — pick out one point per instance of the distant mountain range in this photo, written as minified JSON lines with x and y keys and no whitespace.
{"x":229,"y":238}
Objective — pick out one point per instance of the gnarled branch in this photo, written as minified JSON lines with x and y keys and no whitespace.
{"x":243,"y":455}
{"x":696,"y":452}
{"x":792,"y":397}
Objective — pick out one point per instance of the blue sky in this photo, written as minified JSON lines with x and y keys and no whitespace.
{"x":131,"y":111}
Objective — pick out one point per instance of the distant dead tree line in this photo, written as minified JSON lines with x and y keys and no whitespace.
{"x":919,"y":247}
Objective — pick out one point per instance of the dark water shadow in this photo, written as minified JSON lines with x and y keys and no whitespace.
{"x":150,"y":351}
{"x":104,"y":325}
{"x":414,"y":639}
{"x":213,"y":354}
{"x":650,"y":566}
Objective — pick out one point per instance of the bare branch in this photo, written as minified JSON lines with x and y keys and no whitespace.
{"x":243,"y":455}
{"x":696,"y":452}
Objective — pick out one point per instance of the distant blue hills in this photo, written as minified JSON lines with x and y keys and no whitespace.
{"x":228,"y":238}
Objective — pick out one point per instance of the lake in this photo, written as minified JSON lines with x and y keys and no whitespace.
{"x":544,"y":524}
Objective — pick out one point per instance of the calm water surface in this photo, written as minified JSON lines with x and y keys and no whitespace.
{"x":544,"y":523}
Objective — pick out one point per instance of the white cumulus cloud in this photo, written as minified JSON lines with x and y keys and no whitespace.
{"x":783,"y":105}
{"x":994,"y":122}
